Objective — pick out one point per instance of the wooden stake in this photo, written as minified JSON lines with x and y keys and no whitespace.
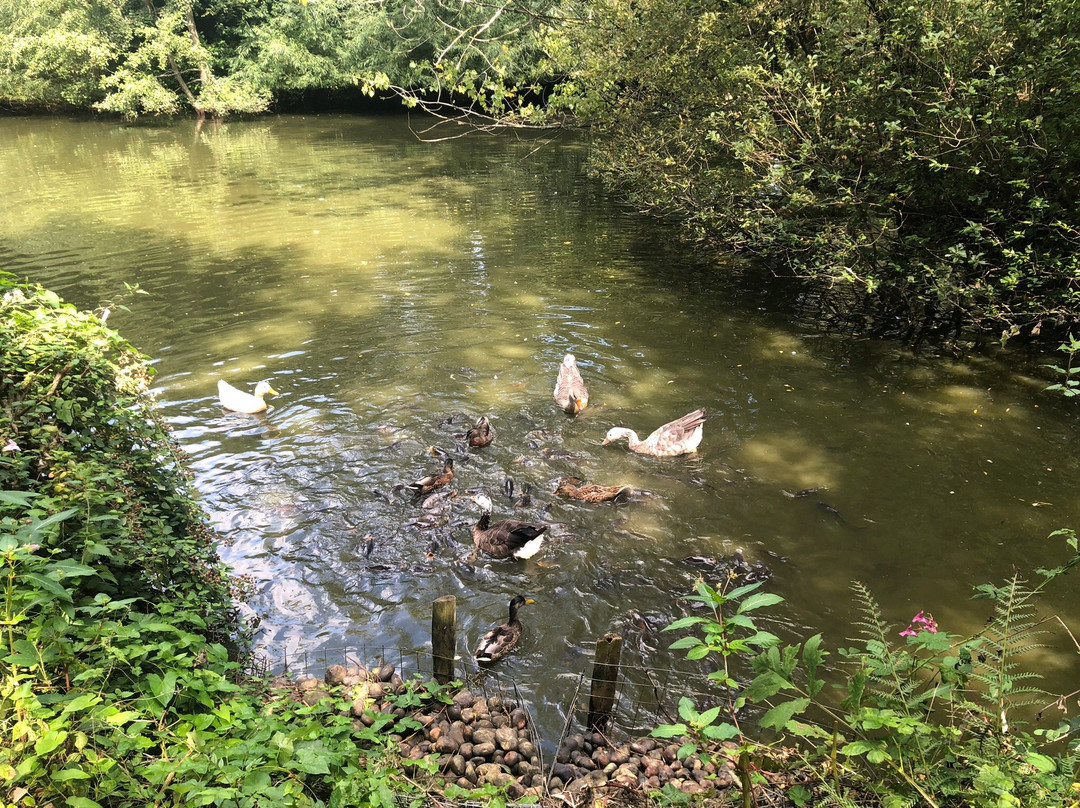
{"x":604,"y":679}
{"x":443,"y":638}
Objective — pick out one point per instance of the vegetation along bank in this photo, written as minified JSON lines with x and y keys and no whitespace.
{"x":915,"y":161}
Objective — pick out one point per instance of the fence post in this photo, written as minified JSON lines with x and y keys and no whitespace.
{"x":604,"y":679}
{"x":443,"y":638}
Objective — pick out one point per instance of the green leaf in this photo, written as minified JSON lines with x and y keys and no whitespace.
{"x":82,"y":802}
{"x":683,"y":622}
{"x":669,"y":731}
{"x":778,"y":716}
{"x":49,"y":741}
{"x":69,"y":774}
{"x":759,"y":600}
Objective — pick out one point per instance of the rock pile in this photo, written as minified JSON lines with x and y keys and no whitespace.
{"x":477,"y":740}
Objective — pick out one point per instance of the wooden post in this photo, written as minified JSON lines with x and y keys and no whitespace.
{"x":443,"y":638}
{"x":604,"y":679}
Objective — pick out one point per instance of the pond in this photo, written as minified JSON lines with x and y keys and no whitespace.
{"x":393,"y":290}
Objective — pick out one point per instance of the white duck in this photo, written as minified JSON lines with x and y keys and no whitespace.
{"x":681,"y":436}
{"x":239,"y":401}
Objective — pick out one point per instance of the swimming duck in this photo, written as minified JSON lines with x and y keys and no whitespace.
{"x":429,"y":482}
{"x":570,"y":392}
{"x":506,"y":539}
{"x":481,"y":434}
{"x":501,"y":640}
{"x":573,"y":488}
{"x":239,"y":401}
{"x":681,"y":436}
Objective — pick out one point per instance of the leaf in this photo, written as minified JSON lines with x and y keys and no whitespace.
{"x":683,"y":622}
{"x":69,"y":774}
{"x":669,"y":731}
{"x":779,"y":715}
{"x":49,"y":741}
{"x":758,"y":600}
{"x":82,"y":802}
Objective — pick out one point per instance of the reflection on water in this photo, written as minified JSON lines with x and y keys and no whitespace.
{"x":393,"y":291}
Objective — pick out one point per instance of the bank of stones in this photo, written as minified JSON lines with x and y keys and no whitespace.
{"x":477,"y":740}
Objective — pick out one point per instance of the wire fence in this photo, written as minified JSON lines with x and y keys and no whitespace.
{"x":646,"y":694}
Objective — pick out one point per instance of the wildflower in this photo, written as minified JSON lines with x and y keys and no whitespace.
{"x":11,"y":446}
{"x":920,"y":622}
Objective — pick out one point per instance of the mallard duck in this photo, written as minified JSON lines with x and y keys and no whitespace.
{"x":501,"y":640}
{"x":573,"y":488}
{"x":429,"y":482}
{"x":481,"y":434}
{"x":506,"y":539}
{"x":239,"y":401}
{"x":681,"y":436}
{"x":570,"y":392}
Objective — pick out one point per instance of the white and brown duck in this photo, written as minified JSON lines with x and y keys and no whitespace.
{"x":681,"y":436}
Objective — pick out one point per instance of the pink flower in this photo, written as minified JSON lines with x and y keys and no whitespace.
{"x":920,"y":622}
{"x":11,"y":446}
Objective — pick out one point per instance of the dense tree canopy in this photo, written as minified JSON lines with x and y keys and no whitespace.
{"x":918,"y":158}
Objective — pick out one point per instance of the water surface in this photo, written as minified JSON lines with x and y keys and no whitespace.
{"x":394,"y":290}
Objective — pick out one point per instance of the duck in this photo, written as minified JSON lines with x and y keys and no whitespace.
{"x":239,"y":401}
{"x":574,"y":488}
{"x":481,"y":434}
{"x":508,"y":538}
{"x":429,"y":482}
{"x":681,"y":436}
{"x":570,"y":392}
{"x":501,"y":640}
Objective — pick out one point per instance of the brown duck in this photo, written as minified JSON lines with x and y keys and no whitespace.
{"x":506,"y":539}
{"x":681,"y":436}
{"x":573,"y":488}
{"x":570,"y":392}
{"x":481,"y":434}
{"x":429,"y":482}
{"x":501,"y":640}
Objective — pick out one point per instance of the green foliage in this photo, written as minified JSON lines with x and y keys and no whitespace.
{"x":918,"y":156}
{"x":81,"y":433}
{"x":936,"y":720}
{"x":1069,"y":386}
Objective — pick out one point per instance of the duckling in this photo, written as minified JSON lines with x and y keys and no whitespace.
{"x":481,"y":434}
{"x":501,"y":640}
{"x":239,"y":401}
{"x":570,"y":392}
{"x":573,"y":488}
{"x":429,"y":482}
{"x":681,"y":436}
{"x":508,"y":538}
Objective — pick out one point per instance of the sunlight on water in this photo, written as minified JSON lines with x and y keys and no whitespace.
{"x":393,"y":291}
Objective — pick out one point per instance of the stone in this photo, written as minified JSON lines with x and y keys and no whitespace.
{"x":307,"y":683}
{"x":466,"y":750}
{"x":481,"y":735}
{"x":464,"y":698}
{"x":447,"y":745}
{"x":457,"y":765}
{"x":500,"y":720}
{"x":484,"y":750}
{"x":313,"y":696}
{"x":621,"y":755}
{"x":468,"y":714}
{"x":519,"y":719}
{"x":385,"y":672}
{"x":492,"y":773}
{"x":506,"y":738}
{"x":643,"y":746}
{"x":511,"y":759}
{"x":526,"y":749}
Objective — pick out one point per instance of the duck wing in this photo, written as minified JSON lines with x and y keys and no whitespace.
{"x":680,"y":436}
{"x":497,"y":643}
{"x":513,"y":538}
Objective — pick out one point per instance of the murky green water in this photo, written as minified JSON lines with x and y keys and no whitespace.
{"x":394,"y":290}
